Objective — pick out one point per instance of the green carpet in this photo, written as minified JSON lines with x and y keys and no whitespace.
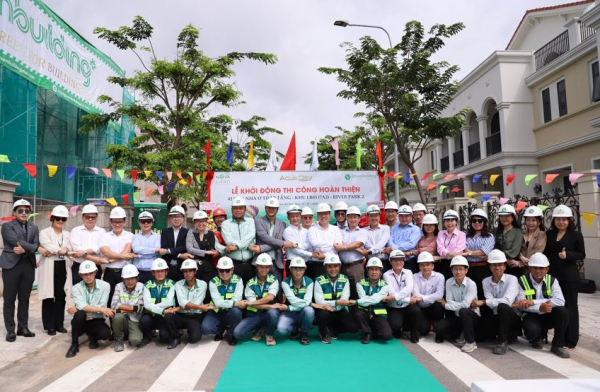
{"x":345,"y":365}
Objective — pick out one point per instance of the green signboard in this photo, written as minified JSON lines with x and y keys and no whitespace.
{"x":158,"y":211}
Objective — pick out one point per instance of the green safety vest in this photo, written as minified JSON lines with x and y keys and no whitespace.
{"x":254,"y":285}
{"x":329,"y":292}
{"x":378,"y":309}
{"x":226,"y":292}
{"x":299,"y":292}
{"x":159,"y":296}
{"x":529,"y":291}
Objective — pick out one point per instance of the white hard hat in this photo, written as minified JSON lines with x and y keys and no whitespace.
{"x":450,"y":214}
{"x":496,"y":256}
{"x":507,"y":209}
{"x":176,"y":210}
{"x":129,"y":271}
{"x":89,"y":209}
{"x":323,"y":207}
{"x":297,"y":262}
{"x":353,"y":211}
{"x":264,"y":259}
{"x":294,"y":208}
{"x":87,"y":266}
{"x":532,"y":211}
{"x":374,"y":262}
{"x":562,"y":211}
{"x":538,"y":260}
{"x":430,"y":219}
{"x":272,"y":202}
{"x":373,"y":209}
{"x":459,"y":260}
{"x":239,"y":202}
{"x":21,"y":203}
{"x":145,"y":215}
{"x":425,"y":257}
{"x":340,"y":206}
{"x":200,"y":215}
{"x":117,"y":213}
{"x":391,"y":205}
{"x":479,"y":212}
{"x":189,"y":264}
{"x":404,"y":210}
{"x":159,"y":264}
{"x":60,"y":212}
{"x":331,"y":258}
{"x":397,"y":254}
{"x":307,"y":211}
{"x":225,"y":263}
{"x":419,"y":207}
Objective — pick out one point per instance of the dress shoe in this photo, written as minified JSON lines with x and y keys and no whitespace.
{"x":174,"y":343}
{"x":439,"y":339}
{"x":537,"y":344}
{"x":11,"y":337}
{"x":73,"y":350}
{"x":500,"y":348}
{"x":52,"y":332}
{"x":61,"y":330}
{"x":414,"y":338}
{"x":560,"y":352}
{"x":25,"y":332}
{"x":366,"y":338}
{"x":231,"y":340}
{"x":93,"y":344}
{"x":218,"y":337}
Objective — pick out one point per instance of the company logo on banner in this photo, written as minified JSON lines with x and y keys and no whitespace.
{"x":40,"y":47}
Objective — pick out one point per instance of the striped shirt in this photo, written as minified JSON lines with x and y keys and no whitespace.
{"x":486,"y":244}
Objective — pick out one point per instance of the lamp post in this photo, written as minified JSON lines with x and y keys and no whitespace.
{"x":345,"y":23}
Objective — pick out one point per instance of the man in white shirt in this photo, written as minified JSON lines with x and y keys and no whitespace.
{"x":377,"y":237}
{"x":307,"y":218}
{"x":322,"y":237}
{"x":85,"y":242}
{"x":428,"y":291}
{"x":297,"y":235}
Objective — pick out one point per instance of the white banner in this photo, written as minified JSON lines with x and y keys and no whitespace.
{"x":38,"y":45}
{"x":356,"y":188}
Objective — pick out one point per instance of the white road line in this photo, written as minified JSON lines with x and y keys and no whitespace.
{"x":462,"y":365}
{"x":85,"y":374}
{"x":567,"y":367}
{"x":185,"y":370}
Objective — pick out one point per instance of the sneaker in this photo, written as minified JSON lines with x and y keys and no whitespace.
{"x":304,"y":340}
{"x":119,"y":346}
{"x":469,"y":347}
{"x":460,"y":339}
{"x":325,"y":337}
{"x":271,"y":340}
{"x":500,"y":348}
{"x":294,"y":335}
{"x":231,"y":340}
{"x":560,"y":352}
{"x":258,"y":335}
{"x":334,"y":335}
{"x":366,"y":338}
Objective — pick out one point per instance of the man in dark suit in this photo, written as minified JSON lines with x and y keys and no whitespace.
{"x":172,"y":242}
{"x":21,"y":241}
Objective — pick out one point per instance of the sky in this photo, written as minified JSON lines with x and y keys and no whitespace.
{"x":292,"y":95}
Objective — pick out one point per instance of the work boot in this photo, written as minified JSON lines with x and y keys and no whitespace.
{"x":73,"y":350}
{"x":257,"y":337}
{"x":304,"y":340}
{"x":271,"y":340}
{"x":500,"y":348}
{"x":174,"y":343}
{"x":119,"y":346}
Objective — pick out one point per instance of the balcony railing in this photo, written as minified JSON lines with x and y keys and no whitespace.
{"x":552,"y":50}
{"x":493,"y":144}
{"x":459,"y":159}
{"x":474,"y":152}
{"x":585,"y":32}
{"x":445,"y":164}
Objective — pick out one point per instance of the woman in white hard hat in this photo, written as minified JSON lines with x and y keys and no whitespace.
{"x":480,"y":242}
{"x":428,"y":243}
{"x":534,"y":237}
{"x":54,"y":274}
{"x":509,"y":238}
{"x":564,"y":248}
{"x":450,"y":243}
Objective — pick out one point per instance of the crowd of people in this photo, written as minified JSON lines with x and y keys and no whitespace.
{"x":392,"y":274}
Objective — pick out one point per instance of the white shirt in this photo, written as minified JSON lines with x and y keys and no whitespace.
{"x":430,"y":290}
{"x":84,"y":239}
{"x":297,"y":235}
{"x":356,"y":235}
{"x":461,"y":296}
{"x":503,"y":292}
{"x":377,"y":238}
{"x":116,"y":244}
{"x":176,"y":234}
{"x":401,"y":287}
{"x":322,"y":240}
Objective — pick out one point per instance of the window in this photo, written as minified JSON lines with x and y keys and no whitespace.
{"x":595,"y":79}
{"x":546,"y":108}
{"x":433,"y":159}
{"x":561,"y":91}
{"x":596,"y":164}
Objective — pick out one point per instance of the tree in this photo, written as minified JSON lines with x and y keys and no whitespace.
{"x":171,"y":112}
{"x":410,"y":93}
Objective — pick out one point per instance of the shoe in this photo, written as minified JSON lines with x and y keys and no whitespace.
{"x":73,"y":350}
{"x":537,"y":344}
{"x":257,"y":337}
{"x":469,"y":347}
{"x":52,"y":332}
{"x":460,"y":339}
{"x":334,"y":335}
{"x":174,"y":343}
{"x":500,"y":348}
{"x":271,"y":340}
{"x":231,"y":340}
{"x":93,"y":344}
{"x":325,"y":336}
{"x":304,"y":340}
{"x":144,"y":342}
{"x":61,"y":330}
{"x":25,"y":332}
{"x":560,"y":352}
{"x":218,"y":337}
{"x":414,"y":338}
{"x":111,"y":338}
{"x":439,"y":339}
{"x":366,"y":338}
{"x":119,"y":346}
{"x":294,"y":335}
{"x":11,"y":337}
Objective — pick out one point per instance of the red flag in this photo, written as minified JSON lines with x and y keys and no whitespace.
{"x":379,"y":154}
{"x":289,"y":161}
{"x":125,"y":199}
{"x":431,"y":186}
{"x":551,"y":177}
{"x":8,"y":218}
{"x":426,"y":176}
{"x":107,"y":173}
{"x":149,"y":192}
{"x":133,"y":175}
{"x":391,"y":174}
{"x":454,"y":190}
{"x":31,"y":169}
{"x":510,"y":178}
{"x":520,"y":205}
{"x":206,"y":149}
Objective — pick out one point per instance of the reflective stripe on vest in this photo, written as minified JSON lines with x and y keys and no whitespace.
{"x":226,"y":292}
{"x":254,"y":285}
{"x":377,"y":309}
{"x":329,"y":290}
{"x":299,"y":292}
{"x":529,"y":291}
{"x":159,"y":296}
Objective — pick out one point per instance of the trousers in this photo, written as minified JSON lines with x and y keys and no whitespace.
{"x":191,"y":322}
{"x":18,"y":282}
{"x":376,"y":325}
{"x":53,"y":309}
{"x":96,"y":328}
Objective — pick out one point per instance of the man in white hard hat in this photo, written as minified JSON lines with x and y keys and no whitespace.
{"x":146,"y":245}
{"x":542,"y":304}
{"x":262,"y":311}
{"x":269,"y":237}
{"x":339,"y":211}
{"x":460,"y":293}
{"x":405,"y":236}
{"x":239,"y":233}
{"x":307,"y":218}
{"x":371,"y":314}
{"x":428,"y":291}
{"x":419,"y":211}
{"x":85,"y":242}
{"x":332,"y":297}
{"x":115,"y":245}
{"x":297,"y":235}
{"x":18,"y":263}
{"x":377,"y":237}
{"x":297,"y":314}
{"x":172,"y":243}
{"x":128,"y":304}
{"x":226,"y":291}
{"x":322,"y":237}
{"x":190,"y":293}
{"x":90,"y":297}
{"x":391,"y":213}
{"x":500,"y":291}
{"x":351,"y":251}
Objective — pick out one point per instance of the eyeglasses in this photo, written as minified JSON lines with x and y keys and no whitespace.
{"x":22,"y":211}
{"x":477,"y":221}
{"x":90,"y":217}
{"x":225,"y":271}
{"x":57,"y":219}
{"x":145,"y":221}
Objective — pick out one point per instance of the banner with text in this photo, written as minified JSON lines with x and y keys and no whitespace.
{"x":42,"y":48}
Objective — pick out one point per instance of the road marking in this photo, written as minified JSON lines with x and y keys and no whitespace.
{"x":462,"y":365}
{"x":185,"y":370}
{"x":89,"y":371}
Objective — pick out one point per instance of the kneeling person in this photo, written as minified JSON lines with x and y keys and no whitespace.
{"x":128,"y":304}
{"x":428,"y":291}
{"x":298,"y":313}
{"x":159,"y":301}
{"x":371,"y":313}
